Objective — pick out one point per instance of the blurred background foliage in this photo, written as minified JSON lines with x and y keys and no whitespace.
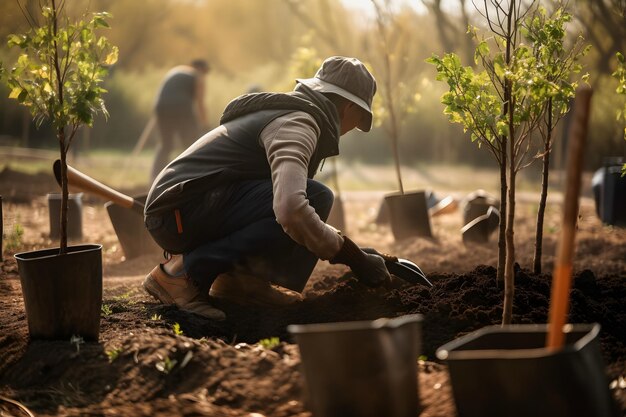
{"x":269,"y":43}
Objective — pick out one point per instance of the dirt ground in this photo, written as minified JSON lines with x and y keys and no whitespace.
{"x":142,"y":367}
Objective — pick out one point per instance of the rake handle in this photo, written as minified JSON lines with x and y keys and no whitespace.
{"x":562,"y":274}
{"x":90,"y":185}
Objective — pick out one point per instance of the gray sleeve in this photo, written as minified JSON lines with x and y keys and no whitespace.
{"x":289,"y":142}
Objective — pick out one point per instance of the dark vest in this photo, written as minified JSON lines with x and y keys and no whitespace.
{"x":232,"y":152}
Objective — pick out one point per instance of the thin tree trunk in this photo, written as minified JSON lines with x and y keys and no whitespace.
{"x":544,"y":195}
{"x":389,"y":96}
{"x":60,"y":136}
{"x":64,"y":191}
{"x":509,"y":273}
{"x":509,"y":108}
{"x":396,"y":159}
{"x":540,"y":215}
{"x":393,"y":124}
{"x":503,"y":208}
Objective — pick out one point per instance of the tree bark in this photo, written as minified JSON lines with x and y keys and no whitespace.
{"x":544,"y":194}
{"x":503,"y":210}
{"x":509,"y":272}
{"x":64,"y":191}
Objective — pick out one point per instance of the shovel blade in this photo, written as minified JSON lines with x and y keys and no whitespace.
{"x":408,"y":271}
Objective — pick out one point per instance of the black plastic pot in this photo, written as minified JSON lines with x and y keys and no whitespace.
{"x":476,"y":204}
{"x":408,"y":214}
{"x":74,"y":215}
{"x":363,"y":368}
{"x":479,"y":229}
{"x":131,"y":231}
{"x":609,"y":189}
{"x":508,"y":371}
{"x":62,"y":293}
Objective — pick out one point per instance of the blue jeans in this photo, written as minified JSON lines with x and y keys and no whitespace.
{"x":235,"y":226}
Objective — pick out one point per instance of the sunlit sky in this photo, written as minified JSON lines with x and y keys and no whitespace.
{"x":366,"y":7}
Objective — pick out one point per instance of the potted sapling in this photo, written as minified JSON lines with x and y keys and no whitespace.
{"x":58,"y":74}
{"x":407,"y":212}
{"x":521,"y":370}
{"x":541,"y":370}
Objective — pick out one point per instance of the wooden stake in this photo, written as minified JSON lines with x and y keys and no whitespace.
{"x":145,"y":134}
{"x":562,"y":275}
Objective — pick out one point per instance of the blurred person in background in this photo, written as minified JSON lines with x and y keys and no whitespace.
{"x":179,"y":109}
{"x":239,"y":213}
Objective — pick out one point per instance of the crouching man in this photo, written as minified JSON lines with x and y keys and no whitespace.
{"x":239,"y":212}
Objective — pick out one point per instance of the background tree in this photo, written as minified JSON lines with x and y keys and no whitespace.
{"x":556,"y":64}
{"x":604,"y":23}
{"x":58,"y":75}
{"x":396,"y":82}
{"x":452,"y":30}
{"x":251,"y":42}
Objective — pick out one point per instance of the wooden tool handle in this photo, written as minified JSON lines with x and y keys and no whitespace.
{"x":562,"y":275}
{"x":88,"y":184}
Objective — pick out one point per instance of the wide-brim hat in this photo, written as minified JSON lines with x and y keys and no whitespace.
{"x":350,"y":79}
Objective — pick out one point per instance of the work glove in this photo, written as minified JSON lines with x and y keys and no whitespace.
{"x":369,"y":268}
{"x":385,"y":256}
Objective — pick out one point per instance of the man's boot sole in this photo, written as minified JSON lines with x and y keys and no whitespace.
{"x":153,"y":288}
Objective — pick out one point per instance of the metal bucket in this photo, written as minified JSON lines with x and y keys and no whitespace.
{"x":476,"y":204}
{"x":131,"y":231}
{"x":363,"y":368}
{"x":609,"y":190}
{"x":74,"y":215}
{"x":408,"y":214}
{"x":508,"y":371}
{"x":62,"y":293}
{"x":479,"y":229}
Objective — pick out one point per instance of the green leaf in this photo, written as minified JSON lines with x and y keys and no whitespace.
{"x":15,"y":92}
{"x":111,"y":57}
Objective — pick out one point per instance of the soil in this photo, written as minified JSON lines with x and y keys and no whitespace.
{"x":141,"y":367}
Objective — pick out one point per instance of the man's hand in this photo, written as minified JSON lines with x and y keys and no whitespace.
{"x":369,"y":268}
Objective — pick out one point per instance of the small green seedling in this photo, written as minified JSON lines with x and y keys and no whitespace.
{"x":155,"y":317}
{"x":106,"y":310}
{"x":113,"y":354}
{"x":269,"y":343}
{"x":14,"y":239}
{"x":77,"y":341}
{"x":177,"y":330}
{"x":123,"y":297}
{"x":166,"y":365}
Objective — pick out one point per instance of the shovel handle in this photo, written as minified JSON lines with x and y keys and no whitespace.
{"x":90,"y":185}
{"x":562,"y":274}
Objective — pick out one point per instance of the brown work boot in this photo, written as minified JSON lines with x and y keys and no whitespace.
{"x":179,"y":291}
{"x":243,"y":288}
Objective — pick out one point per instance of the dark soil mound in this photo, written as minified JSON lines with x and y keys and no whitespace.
{"x":214,"y":373}
{"x":455,"y":305}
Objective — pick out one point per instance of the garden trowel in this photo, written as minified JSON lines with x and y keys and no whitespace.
{"x":402,"y":268}
{"x":408,"y":271}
